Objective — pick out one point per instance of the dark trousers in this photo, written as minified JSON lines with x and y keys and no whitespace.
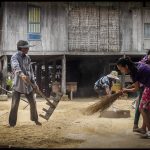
{"x":100,"y":91}
{"x":137,"y":112}
{"x":15,"y":104}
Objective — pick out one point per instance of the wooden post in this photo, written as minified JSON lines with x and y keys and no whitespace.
{"x":71,"y":95}
{"x":4,"y":72}
{"x":63,"y":80}
{"x":38,"y":75}
{"x":0,"y":65}
{"x":0,"y":75}
{"x":47,"y":90}
{"x":54,"y":71}
{"x":123,"y":75}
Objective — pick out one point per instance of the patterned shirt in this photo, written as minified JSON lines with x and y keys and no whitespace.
{"x":21,"y":65}
{"x":103,"y":82}
{"x":145,"y":60}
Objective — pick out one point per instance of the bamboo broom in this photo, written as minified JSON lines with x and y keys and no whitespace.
{"x":103,"y":104}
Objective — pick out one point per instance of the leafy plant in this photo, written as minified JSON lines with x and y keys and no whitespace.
{"x":9,"y":82}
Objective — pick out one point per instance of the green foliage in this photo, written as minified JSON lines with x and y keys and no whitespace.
{"x":9,"y":82}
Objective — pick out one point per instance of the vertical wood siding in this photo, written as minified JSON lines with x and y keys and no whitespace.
{"x":146,"y":19}
{"x":137,"y":30}
{"x":15,"y":25}
{"x":54,"y":35}
{"x":76,"y":27}
{"x":125,"y":27}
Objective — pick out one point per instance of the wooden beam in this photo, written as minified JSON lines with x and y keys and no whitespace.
{"x":1,"y":75}
{"x":47,"y":58}
{"x":46,"y":53}
{"x":63,"y":80}
{"x":4,"y":71}
{"x":47,"y":89}
{"x":38,"y":75}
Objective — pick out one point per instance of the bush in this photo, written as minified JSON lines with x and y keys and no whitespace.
{"x":9,"y":83}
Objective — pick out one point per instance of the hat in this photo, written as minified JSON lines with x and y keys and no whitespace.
{"x":114,"y":75}
{"x":23,"y":44}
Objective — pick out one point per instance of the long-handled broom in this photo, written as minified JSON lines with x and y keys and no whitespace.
{"x":103,"y":104}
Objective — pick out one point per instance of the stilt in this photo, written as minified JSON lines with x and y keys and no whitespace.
{"x":47,"y":89}
{"x":4,"y":72}
{"x":53,"y":71}
{"x":63,"y":80}
{"x":38,"y":75}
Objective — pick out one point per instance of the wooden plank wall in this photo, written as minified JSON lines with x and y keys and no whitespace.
{"x":53,"y":31}
{"x":15,"y":25}
{"x":54,"y":28}
{"x":146,"y":19}
{"x":125,"y":27}
{"x":77,"y":27}
{"x":113,"y":27}
{"x":103,"y":30}
{"x":137,"y":35}
{"x":1,"y":24}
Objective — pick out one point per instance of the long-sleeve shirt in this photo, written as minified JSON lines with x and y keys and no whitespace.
{"x":145,"y":60}
{"x":143,"y":74}
{"x":103,"y":82}
{"x":21,"y":65}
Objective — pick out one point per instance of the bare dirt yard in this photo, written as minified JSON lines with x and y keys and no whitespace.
{"x":68,"y":127}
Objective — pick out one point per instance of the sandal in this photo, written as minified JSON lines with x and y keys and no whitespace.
{"x":139,"y":130}
{"x":146,"y":135}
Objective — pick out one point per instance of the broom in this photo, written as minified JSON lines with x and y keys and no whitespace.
{"x":103,"y":104}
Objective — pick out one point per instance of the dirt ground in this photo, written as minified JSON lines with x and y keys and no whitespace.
{"x":69,"y":128}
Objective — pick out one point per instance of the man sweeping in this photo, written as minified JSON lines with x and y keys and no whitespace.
{"x":104,"y":84}
{"x":22,"y":70}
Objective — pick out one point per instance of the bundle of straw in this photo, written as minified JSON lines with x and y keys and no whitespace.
{"x":103,"y":104}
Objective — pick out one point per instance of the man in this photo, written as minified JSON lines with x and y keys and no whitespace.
{"x":22,"y":69}
{"x":103,"y":85}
